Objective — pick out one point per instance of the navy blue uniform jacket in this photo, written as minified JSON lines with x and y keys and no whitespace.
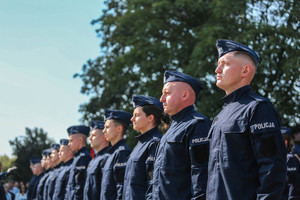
{"x":92,"y":187}
{"x":113,"y":171}
{"x":139,"y":167}
{"x":61,"y":181}
{"x":247,"y":151}
{"x":180,"y":168}
{"x":78,"y":175}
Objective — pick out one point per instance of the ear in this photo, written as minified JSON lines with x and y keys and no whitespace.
{"x":246,"y":70}
{"x":185,"y":95}
{"x":119,"y":128}
{"x":151,"y":118}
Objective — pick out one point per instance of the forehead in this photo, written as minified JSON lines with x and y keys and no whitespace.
{"x":169,"y":85}
{"x":108,"y":122}
{"x":227,"y":57}
{"x":99,"y":131}
{"x":138,"y":110}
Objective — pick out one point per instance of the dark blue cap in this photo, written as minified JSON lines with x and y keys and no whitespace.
{"x":46,"y":152}
{"x":171,"y":76}
{"x":226,"y":46}
{"x":79,"y":129}
{"x":286,"y":131}
{"x":64,"y":142}
{"x":118,"y":114}
{"x":55,"y":147}
{"x":35,"y":159}
{"x":296,"y":149}
{"x":140,"y":100}
{"x":97,"y":125}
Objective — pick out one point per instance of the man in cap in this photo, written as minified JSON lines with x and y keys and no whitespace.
{"x":55,"y":170}
{"x":247,"y":151}
{"x":37,"y":170}
{"x":293,"y":167}
{"x":77,"y":143}
{"x":66,"y":157}
{"x":92,"y":186}
{"x":180,"y":168}
{"x":116,"y":123}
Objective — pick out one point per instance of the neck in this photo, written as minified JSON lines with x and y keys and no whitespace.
{"x":113,"y":142}
{"x":151,"y":126}
{"x":101,"y":146}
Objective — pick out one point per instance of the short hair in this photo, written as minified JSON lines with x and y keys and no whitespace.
{"x":247,"y":54}
{"x":122,"y":123}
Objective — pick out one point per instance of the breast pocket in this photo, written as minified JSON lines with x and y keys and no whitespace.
{"x":176,"y":152}
{"x":235,"y":140}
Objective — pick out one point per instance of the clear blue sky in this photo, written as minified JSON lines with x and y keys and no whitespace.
{"x":42,"y":44}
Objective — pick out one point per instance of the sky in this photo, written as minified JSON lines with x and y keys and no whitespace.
{"x":42,"y":45}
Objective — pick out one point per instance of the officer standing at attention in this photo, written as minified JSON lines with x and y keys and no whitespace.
{"x":37,"y":170}
{"x":116,"y":124}
{"x":56,"y":169}
{"x":180,"y":168}
{"x":38,"y":192}
{"x":66,"y":157}
{"x":92,"y":186}
{"x":147,"y":117}
{"x":50,"y":165}
{"x":247,"y":151}
{"x":77,"y":142}
{"x":293,"y":167}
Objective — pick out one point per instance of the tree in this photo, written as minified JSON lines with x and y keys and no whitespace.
{"x":24,"y":147}
{"x":6,"y":162}
{"x":140,"y":39}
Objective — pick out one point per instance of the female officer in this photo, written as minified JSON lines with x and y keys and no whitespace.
{"x":147,"y":116}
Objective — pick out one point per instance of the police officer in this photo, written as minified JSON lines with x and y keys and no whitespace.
{"x":247,"y":152}
{"x":147,"y":116}
{"x":50,"y":173}
{"x":180,"y":168}
{"x":66,"y":157}
{"x":38,"y":192}
{"x":293,"y":167}
{"x":77,"y":142}
{"x":37,"y":170}
{"x":116,"y":123}
{"x":92,"y":186}
{"x":56,"y":169}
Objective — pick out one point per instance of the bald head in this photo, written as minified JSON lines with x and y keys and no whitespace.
{"x":177,"y":96}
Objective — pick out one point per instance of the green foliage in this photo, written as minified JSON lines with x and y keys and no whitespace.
{"x":143,"y":38}
{"x":6,"y":162}
{"x":24,"y":147}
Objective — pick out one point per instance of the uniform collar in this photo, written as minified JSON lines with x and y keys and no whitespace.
{"x":143,"y":137}
{"x":83,"y":149}
{"x":101,"y":152}
{"x":237,"y":94}
{"x":117,"y":145}
{"x":68,"y":162}
{"x":181,"y":114}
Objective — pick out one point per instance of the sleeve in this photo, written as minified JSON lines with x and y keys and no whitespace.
{"x":3,"y":175}
{"x":80,"y":176}
{"x":2,"y":192}
{"x":119,"y":171}
{"x":269,"y":151}
{"x":293,"y":177}
{"x":198,"y":144}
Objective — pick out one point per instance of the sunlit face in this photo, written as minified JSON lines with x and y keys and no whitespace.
{"x":228,"y":72}
{"x":110,"y":130}
{"x":54,"y":156}
{"x":171,"y":98}
{"x":96,"y":138}
{"x":43,"y":162}
{"x":74,"y":142}
{"x":139,"y":120}
{"x":64,"y":153}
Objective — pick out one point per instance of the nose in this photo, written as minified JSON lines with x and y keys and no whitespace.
{"x":162,"y":98}
{"x":218,"y":69}
{"x":132,"y":118}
